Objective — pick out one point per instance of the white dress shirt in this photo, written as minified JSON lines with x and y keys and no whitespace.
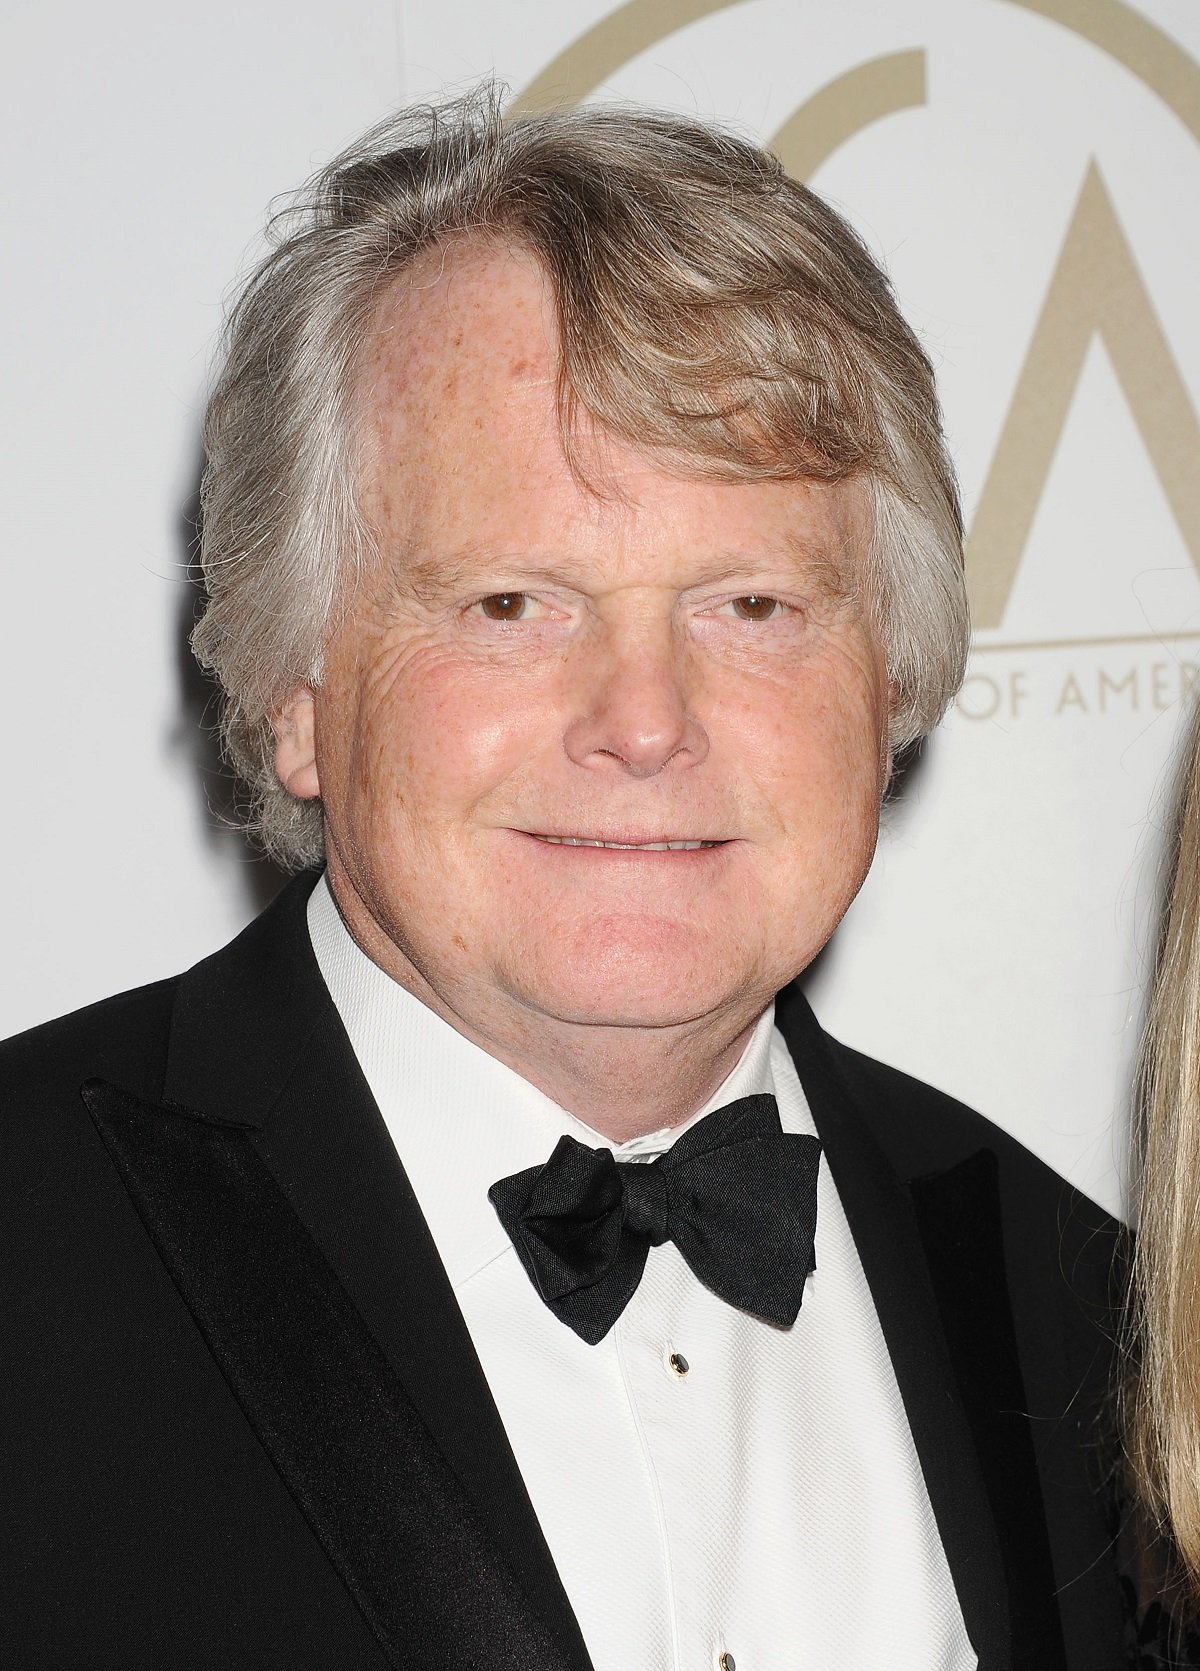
{"x":715,"y":1491}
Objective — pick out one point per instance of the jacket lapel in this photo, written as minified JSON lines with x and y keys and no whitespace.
{"x":932,"y":1254}
{"x":959,"y":1219}
{"x":287,"y":1223}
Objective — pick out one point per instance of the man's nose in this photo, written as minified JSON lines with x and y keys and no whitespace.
{"x":634,"y":713}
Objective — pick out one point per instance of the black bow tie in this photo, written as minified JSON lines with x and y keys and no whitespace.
{"x":736,"y":1194}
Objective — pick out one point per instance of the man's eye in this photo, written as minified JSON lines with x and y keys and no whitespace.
{"x":754,"y":607}
{"x":504,"y":606}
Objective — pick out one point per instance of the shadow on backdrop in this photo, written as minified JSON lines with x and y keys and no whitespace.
{"x":195,"y":736}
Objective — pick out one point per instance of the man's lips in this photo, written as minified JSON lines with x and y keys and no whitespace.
{"x":665,"y":844}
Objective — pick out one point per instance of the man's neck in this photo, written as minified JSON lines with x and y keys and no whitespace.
{"x":622,"y":1082}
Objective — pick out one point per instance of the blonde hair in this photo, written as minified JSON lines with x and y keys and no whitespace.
{"x":708,"y":306}
{"x":1164,"y":1408}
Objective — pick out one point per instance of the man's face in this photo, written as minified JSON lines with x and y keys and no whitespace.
{"x":607,"y":757}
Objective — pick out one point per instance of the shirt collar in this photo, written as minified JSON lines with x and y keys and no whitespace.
{"x":459,"y":1118}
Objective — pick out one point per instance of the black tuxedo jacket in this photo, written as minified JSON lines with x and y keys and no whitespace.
{"x":241,"y":1420}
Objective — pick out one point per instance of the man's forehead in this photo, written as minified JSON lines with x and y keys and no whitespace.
{"x":468,"y":311}
{"x":466,"y":444}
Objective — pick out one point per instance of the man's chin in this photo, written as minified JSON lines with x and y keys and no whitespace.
{"x":649,"y":999}
{"x":636,"y":971}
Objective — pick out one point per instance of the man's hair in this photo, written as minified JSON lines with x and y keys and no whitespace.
{"x":709,"y":308}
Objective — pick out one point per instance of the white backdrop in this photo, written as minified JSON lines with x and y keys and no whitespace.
{"x":1027,"y":169}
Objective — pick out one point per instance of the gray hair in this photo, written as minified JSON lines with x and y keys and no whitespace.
{"x":708,"y":307}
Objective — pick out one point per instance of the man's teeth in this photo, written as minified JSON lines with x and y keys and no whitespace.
{"x":628,"y":846}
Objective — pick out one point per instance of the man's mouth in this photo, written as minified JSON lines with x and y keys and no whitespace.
{"x":626,"y":846}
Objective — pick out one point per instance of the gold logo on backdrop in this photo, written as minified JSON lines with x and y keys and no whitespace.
{"x":1096,"y":289}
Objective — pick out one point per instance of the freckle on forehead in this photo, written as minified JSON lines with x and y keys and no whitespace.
{"x":465,"y":341}
{"x":436,"y":315}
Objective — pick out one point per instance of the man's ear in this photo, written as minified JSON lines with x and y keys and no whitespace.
{"x":295,"y":726}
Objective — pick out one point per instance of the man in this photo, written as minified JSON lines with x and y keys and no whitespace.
{"x":579,"y":543}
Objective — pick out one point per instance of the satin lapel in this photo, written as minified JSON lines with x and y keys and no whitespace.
{"x":318,"y":1392}
{"x":257,"y":1042}
{"x":886,"y":1233}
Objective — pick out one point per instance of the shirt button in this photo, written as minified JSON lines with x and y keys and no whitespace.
{"x":726,"y":1663}
{"x":679,"y":1366}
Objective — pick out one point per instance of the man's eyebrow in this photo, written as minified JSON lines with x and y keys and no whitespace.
{"x":832,"y":567}
{"x":835,"y":566}
{"x":431,"y":577}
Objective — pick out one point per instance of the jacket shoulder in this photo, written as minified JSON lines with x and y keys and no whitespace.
{"x":123,"y":1038}
{"x":66,"y":1221}
{"x":1053,"y":1231}
{"x":923,"y":1129}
